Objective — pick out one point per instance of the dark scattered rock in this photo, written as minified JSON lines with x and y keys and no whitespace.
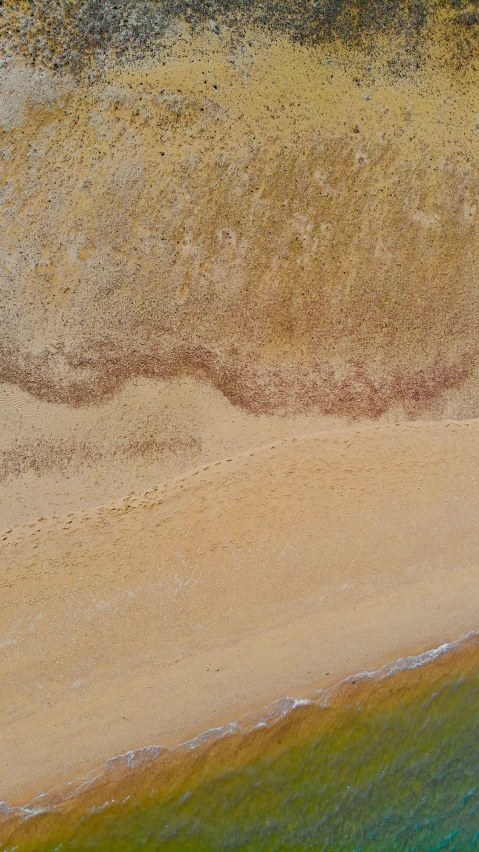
{"x":70,"y":33}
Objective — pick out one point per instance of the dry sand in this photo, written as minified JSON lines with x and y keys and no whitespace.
{"x":56,"y":459}
{"x":295,"y":224}
{"x":216,"y":247}
{"x":268,"y":573}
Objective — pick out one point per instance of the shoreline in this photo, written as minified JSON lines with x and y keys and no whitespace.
{"x":240,"y":271}
{"x":300,"y":616}
{"x":268,"y":716}
{"x":135,"y":773}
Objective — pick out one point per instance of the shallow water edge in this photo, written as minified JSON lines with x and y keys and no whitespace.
{"x":165,"y":771}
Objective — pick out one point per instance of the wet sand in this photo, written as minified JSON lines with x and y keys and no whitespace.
{"x":221,"y":247}
{"x":268,"y":573}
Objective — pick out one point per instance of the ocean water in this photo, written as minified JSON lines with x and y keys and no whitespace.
{"x":385,"y":763}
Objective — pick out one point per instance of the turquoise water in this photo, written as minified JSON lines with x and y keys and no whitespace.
{"x":400,"y":773}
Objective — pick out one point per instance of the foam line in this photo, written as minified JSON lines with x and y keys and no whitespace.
{"x":271,"y":714}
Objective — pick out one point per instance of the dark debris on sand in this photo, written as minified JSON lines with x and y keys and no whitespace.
{"x":71,"y":34}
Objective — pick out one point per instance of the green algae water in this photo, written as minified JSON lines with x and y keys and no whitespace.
{"x":379,"y":764}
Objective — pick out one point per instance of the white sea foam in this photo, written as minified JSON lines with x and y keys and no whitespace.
{"x":270,"y":715}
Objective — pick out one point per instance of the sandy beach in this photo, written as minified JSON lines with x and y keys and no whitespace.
{"x":273,"y":572}
{"x":239,"y":386}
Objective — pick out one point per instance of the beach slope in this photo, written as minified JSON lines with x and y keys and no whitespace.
{"x":274,"y":572}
